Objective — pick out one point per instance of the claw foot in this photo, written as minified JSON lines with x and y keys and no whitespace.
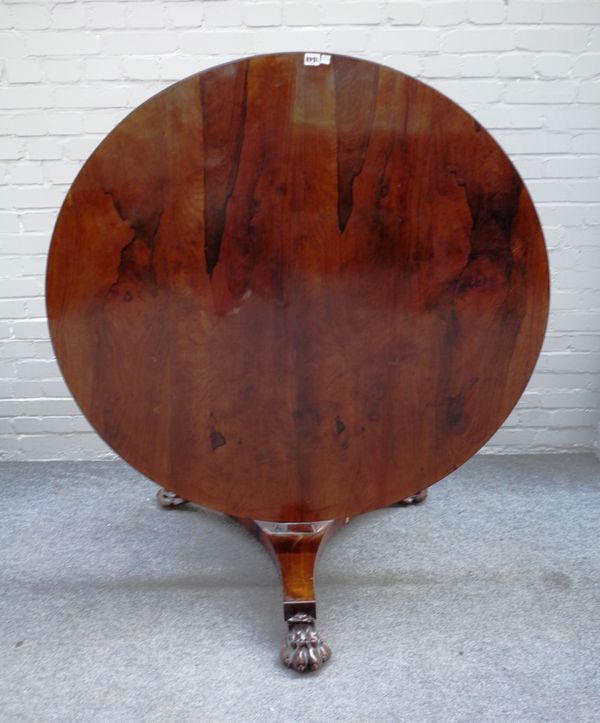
{"x":303,"y":649}
{"x":169,"y":499}
{"x":415,"y":499}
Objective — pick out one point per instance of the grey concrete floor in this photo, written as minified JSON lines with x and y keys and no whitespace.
{"x":483,"y":604}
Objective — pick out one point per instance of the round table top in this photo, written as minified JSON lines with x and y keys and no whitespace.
{"x":297,"y":292}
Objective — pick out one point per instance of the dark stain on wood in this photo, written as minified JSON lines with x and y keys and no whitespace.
{"x":217,"y":440}
{"x":355,"y":103}
{"x":223,"y":96}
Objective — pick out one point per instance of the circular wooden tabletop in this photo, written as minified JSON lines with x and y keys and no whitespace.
{"x":294,"y":292}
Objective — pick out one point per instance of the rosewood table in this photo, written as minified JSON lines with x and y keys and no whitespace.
{"x":295,"y":288}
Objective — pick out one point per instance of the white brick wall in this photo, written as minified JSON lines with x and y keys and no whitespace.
{"x":528,"y":69}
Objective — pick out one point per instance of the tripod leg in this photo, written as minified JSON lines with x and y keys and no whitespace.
{"x":415,"y":499}
{"x":295,"y":547}
{"x":168,"y":499}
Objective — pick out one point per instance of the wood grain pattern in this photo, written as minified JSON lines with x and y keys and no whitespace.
{"x":294,"y":548}
{"x":297,"y":293}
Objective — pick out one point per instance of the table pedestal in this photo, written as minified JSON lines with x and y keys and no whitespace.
{"x":294,"y":547}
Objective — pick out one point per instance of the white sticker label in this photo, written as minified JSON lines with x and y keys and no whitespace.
{"x":312,"y":59}
{"x":317,"y":59}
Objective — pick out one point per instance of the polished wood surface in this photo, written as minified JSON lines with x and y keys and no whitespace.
{"x":295,"y":547}
{"x":297,"y":293}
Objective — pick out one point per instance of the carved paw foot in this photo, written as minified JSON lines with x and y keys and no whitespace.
{"x":303,"y":649}
{"x":415,"y":499}
{"x":168,"y":499}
